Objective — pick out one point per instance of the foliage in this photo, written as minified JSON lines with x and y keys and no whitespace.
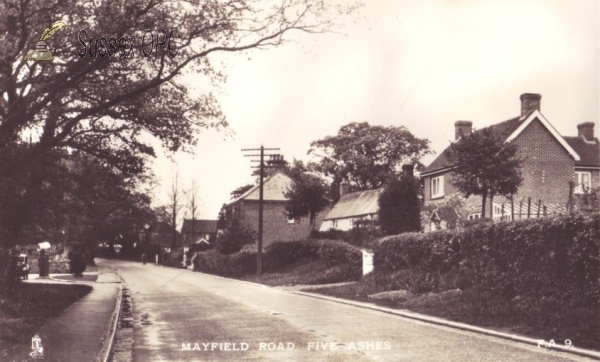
{"x":588,"y":202}
{"x":450,"y":209}
{"x":485,"y":165}
{"x":232,"y":239}
{"x":400,"y":206}
{"x":547,"y":271}
{"x":77,"y":263}
{"x":362,"y":234}
{"x":308,"y":194}
{"x":343,"y":262}
{"x":366,"y":155}
{"x":240,"y":191}
{"x":116,"y":108}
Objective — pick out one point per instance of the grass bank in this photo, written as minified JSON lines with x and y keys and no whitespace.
{"x":25,"y":310}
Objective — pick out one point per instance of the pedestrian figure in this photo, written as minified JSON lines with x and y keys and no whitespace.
{"x":144,"y":258}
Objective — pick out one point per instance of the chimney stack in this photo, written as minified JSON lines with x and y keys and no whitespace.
{"x":529,"y":103}
{"x":407,"y":170}
{"x":462,"y":128}
{"x":275,"y":163}
{"x":344,"y":188}
{"x":586,"y":130}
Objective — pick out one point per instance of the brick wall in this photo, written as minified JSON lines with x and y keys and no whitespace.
{"x":548,"y":167}
{"x":448,"y":187}
{"x":275,"y":222}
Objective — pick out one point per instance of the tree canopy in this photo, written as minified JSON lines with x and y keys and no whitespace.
{"x":485,"y":165}
{"x":308,"y":194}
{"x":113,"y":107}
{"x":366,"y":155}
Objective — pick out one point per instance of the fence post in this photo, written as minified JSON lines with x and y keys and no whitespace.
{"x":539,"y":208}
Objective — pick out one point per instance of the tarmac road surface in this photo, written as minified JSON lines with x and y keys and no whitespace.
{"x":180,"y":315}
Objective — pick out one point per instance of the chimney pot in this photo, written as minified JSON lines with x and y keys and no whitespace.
{"x":530,"y":102}
{"x":586,"y":130}
{"x":462,"y":128}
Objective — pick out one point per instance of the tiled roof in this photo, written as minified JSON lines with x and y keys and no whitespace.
{"x":505,"y":128}
{"x":355,"y":204}
{"x":589,"y":153}
{"x":274,"y":188}
{"x":200,"y":226}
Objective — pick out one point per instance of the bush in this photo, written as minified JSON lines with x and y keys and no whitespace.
{"x":232,"y":239}
{"x":344,"y":260}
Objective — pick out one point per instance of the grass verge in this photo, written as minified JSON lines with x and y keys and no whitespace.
{"x":471,"y":308}
{"x":302,"y":272}
{"x":25,"y":310}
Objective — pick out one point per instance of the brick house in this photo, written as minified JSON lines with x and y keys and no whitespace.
{"x":277,"y":226}
{"x":551,"y":161}
{"x":193,"y":231}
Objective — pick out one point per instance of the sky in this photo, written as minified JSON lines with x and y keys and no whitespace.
{"x":419,"y":64}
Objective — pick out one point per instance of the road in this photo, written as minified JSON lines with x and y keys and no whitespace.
{"x":180,"y":315}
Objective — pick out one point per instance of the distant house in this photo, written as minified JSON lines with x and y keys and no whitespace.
{"x":277,"y":226}
{"x":351,"y":207}
{"x":551,"y":161}
{"x":193,"y":231}
{"x":160,"y":235}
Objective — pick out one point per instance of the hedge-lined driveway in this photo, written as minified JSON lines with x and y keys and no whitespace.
{"x":182,"y":315}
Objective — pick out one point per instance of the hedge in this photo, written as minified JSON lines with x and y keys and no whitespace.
{"x":280,"y":255}
{"x":512,"y":258}
{"x":543,"y":272}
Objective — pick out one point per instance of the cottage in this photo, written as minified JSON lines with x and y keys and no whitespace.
{"x":277,"y":226}
{"x":351,"y":207}
{"x":551,"y":162}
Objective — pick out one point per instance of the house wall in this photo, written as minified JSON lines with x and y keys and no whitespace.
{"x":342,"y":224}
{"x":548,"y":167}
{"x":275,"y":222}
{"x":448,"y":187}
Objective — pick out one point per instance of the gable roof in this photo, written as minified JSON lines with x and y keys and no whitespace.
{"x":274,"y":188}
{"x":584,"y":153}
{"x":355,"y":204}
{"x":537,"y":115}
{"x":202,"y":226}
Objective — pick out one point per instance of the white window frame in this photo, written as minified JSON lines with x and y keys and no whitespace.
{"x":579,"y":187}
{"x":290,"y":220}
{"x":437,"y":187}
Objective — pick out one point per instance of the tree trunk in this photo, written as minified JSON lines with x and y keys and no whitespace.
{"x":492,"y":206}
{"x":483,"y":199}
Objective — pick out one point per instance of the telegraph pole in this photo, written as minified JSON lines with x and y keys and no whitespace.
{"x":262,"y":150}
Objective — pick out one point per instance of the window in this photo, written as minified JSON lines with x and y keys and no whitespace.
{"x":474,"y":216}
{"x":584,"y":182}
{"x":334,"y":223}
{"x":290,"y":220}
{"x":437,"y":186}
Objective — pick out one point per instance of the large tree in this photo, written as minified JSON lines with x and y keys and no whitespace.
{"x":366,"y":155}
{"x":400,"y":205}
{"x":111,"y":106}
{"x":485,"y":165}
{"x":308,"y":194}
